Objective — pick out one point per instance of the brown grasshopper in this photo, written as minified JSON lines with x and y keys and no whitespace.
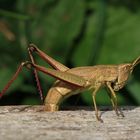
{"x":75,"y":80}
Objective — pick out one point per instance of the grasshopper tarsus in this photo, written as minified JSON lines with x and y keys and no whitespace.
{"x":99,"y":119}
{"x":121,"y":114}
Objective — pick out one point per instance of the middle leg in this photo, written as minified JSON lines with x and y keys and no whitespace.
{"x":94,"y":101}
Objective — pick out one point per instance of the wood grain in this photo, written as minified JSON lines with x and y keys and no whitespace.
{"x":32,"y":123}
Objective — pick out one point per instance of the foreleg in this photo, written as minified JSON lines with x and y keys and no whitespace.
{"x":114,"y":100}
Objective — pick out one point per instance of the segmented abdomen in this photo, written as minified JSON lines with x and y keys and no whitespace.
{"x":57,"y":94}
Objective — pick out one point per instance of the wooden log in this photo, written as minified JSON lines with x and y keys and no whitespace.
{"x":33,"y":123}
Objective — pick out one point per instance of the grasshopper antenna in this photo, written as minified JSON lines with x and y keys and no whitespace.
{"x":136,"y":62}
{"x":31,"y":49}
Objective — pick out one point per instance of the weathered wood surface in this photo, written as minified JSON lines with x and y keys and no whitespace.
{"x":32,"y":123}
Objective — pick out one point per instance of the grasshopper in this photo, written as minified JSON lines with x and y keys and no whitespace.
{"x":75,"y":80}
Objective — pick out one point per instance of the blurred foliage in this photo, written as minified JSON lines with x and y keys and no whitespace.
{"x":76,"y":33}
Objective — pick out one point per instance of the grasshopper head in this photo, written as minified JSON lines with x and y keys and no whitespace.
{"x":128,"y":68}
{"x":124,"y":70}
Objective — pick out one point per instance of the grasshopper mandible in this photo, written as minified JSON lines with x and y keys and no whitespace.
{"x":75,"y":80}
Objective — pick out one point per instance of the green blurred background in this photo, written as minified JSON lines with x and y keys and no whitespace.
{"x":74,"y":32}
